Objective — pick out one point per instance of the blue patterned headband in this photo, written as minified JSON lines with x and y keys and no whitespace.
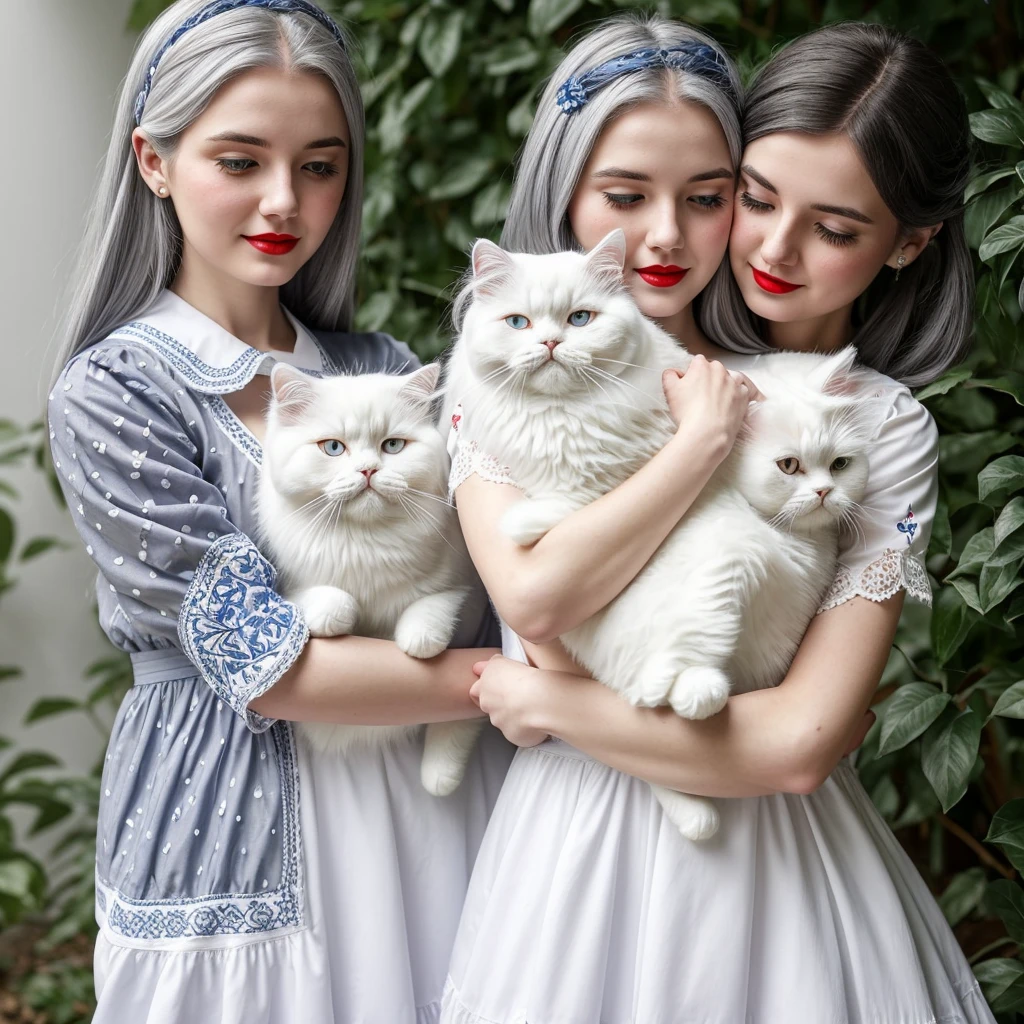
{"x":697,"y":58}
{"x":211,"y":10}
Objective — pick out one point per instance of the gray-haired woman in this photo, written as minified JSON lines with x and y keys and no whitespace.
{"x":586,"y":904}
{"x":242,"y":877}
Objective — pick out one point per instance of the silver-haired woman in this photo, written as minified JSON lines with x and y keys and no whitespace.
{"x":241,"y":877}
{"x":586,"y":904}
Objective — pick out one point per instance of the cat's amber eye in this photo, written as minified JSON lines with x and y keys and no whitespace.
{"x":839,"y":464}
{"x":581,"y":317}
{"x":788,"y":466}
{"x":393,"y":445}
{"x":332,"y":446}
{"x":517,"y":321}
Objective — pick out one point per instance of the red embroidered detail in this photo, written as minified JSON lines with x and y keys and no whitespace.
{"x":455,"y":421}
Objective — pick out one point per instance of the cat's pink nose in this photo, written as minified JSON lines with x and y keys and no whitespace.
{"x":367,"y":473}
{"x":550,"y":345}
{"x":823,"y":492}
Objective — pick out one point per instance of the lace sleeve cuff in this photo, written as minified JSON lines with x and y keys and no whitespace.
{"x":887,"y":575}
{"x":467,"y":459}
{"x":237,"y":630}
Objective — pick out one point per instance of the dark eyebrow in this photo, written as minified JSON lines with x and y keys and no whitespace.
{"x":253,"y":140}
{"x":718,"y":172}
{"x":763,"y":182}
{"x":618,"y":172}
{"x":844,"y":211}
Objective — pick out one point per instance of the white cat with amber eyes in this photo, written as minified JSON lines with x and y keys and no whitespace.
{"x":354,"y":517}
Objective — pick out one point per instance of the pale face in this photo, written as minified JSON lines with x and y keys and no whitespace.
{"x":662,"y":173}
{"x":258,"y":178}
{"x":810,"y":231}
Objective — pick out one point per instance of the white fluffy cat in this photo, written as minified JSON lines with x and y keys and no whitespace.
{"x":352,"y":515}
{"x":559,"y":376}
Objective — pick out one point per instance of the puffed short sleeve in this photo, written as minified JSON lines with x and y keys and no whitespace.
{"x":174,"y":569}
{"x":885,"y":552}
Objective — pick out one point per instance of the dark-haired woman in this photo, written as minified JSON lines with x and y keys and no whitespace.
{"x":586,"y":905}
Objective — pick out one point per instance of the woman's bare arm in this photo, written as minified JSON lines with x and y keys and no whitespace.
{"x":784,"y":739}
{"x":354,"y":680}
{"x":590,"y":557}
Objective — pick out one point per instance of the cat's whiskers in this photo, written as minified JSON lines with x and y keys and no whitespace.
{"x":421,"y":515}
{"x":622,"y":362}
{"x":433,"y":497}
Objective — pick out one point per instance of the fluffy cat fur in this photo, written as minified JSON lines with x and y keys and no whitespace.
{"x":574,"y":408}
{"x":362,"y":538}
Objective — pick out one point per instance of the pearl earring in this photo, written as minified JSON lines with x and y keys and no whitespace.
{"x":900,"y":264}
{"x":162,"y":190}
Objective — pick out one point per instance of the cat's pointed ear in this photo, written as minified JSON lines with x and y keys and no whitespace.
{"x":837,"y":374}
{"x":492,"y":267}
{"x":418,"y":388}
{"x":608,"y":258}
{"x":291,"y":392}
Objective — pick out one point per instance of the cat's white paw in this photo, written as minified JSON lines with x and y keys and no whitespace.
{"x":328,"y":611}
{"x":696,"y":818}
{"x":654,"y":681}
{"x":699,"y":692}
{"x":441,"y":778}
{"x":528,"y":520}
{"x":421,"y":641}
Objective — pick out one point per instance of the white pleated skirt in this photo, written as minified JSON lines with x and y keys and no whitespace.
{"x":386,"y":867}
{"x":587,"y":907}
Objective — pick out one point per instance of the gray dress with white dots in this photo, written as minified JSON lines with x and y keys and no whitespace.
{"x":240,"y":876}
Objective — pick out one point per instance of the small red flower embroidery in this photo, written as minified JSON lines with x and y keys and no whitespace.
{"x":455,"y":421}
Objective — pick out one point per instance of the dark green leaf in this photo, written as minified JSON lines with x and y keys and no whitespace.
{"x":490,"y":205}
{"x":1010,"y":383}
{"x":976,"y":553}
{"x":1009,"y":521}
{"x":941,"y":542}
{"x":950,"y":624}
{"x":886,"y":797}
{"x":544,"y":16}
{"x":983,"y":181}
{"x":1006,"y":898}
{"x":9,"y":672}
{"x":963,"y":894}
{"x":517,"y":55}
{"x":1002,"y":982}
{"x":985,"y":210}
{"x":1007,"y":830}
{"x":1011,"y":702}
{"x":26,"y":762}
{"x":997,"y":581}
{"x":908,"y":713}
{"x":996,"y":97}
{"x":1004,"y":238}
{"x":1001,"y":477}
{"x":48,"y":706}
{"x":948,"y":751}
{"x":463,"y":178}
{"x":1005,"y":127}
{"x":6,"y":536}
{"x":38,"y":545}
{"x":946,"y":382}
{"x":17,"y":878}
{"x":439,"y":41}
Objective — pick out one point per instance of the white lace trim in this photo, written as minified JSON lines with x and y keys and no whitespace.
{"x":887,"y":575}
{"x":468,"y":458}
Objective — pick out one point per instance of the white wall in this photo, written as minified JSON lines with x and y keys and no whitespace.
{"x":61,"y":62}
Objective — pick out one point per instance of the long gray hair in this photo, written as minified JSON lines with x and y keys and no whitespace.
{"x":901,"y":109}
{"x":133,"y":241}
{"x":558,"y":145}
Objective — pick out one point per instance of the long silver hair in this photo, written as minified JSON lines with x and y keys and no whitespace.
{"x":133,"y":241}
{"x":901,"y":109}
{"x":558,"y":145}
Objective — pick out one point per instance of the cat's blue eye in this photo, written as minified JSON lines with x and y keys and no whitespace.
{"x":581,"y":318}
{"x":788,"y":466}
{"x":517,"y":321}
{"x":393,"y":445}
{"x":839,"y":464}
{"x":332,"y":446}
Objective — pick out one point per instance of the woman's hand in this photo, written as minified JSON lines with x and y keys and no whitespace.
{"x":509,"y":692}
{"x":708,"y":402}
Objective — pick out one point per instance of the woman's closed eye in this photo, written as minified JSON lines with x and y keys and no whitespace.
{"x":620,"y":199}
{"x":839,"y":238}
{"x":714,"y":201}
{"x":239,"y":165}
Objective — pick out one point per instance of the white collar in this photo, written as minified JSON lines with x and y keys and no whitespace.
{"x":209,"y":358}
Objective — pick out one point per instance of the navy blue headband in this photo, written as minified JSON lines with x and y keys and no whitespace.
{"x":211,"y":10}
{"x":697,"y":58}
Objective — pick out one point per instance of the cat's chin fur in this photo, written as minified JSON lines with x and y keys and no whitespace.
{"x":728,"y":595}
{"x":364,"y":541}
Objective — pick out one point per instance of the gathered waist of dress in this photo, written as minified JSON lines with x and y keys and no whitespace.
{"x":162,"y":665}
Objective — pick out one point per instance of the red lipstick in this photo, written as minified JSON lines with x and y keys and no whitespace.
{"x":662,"y":277}
{"x":774,"y":285}
{"x":271,"y":244}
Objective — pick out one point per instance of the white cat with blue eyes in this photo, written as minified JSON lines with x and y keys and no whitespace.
{"x":559,"y":376}
{"x":354,"y":517}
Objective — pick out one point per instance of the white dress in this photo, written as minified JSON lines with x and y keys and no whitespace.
{"x":586,"y":906}
{"x":240,"y":877}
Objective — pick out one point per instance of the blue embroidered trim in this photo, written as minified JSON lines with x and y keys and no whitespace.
{"x":908,"y":525}
{"x":223,"y":7}
{"x":696,"y":58}
{"x":237,"y":630}
{"x":237,"y":432}
{"x":224,"y":913}
{"x":218,"y":380}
